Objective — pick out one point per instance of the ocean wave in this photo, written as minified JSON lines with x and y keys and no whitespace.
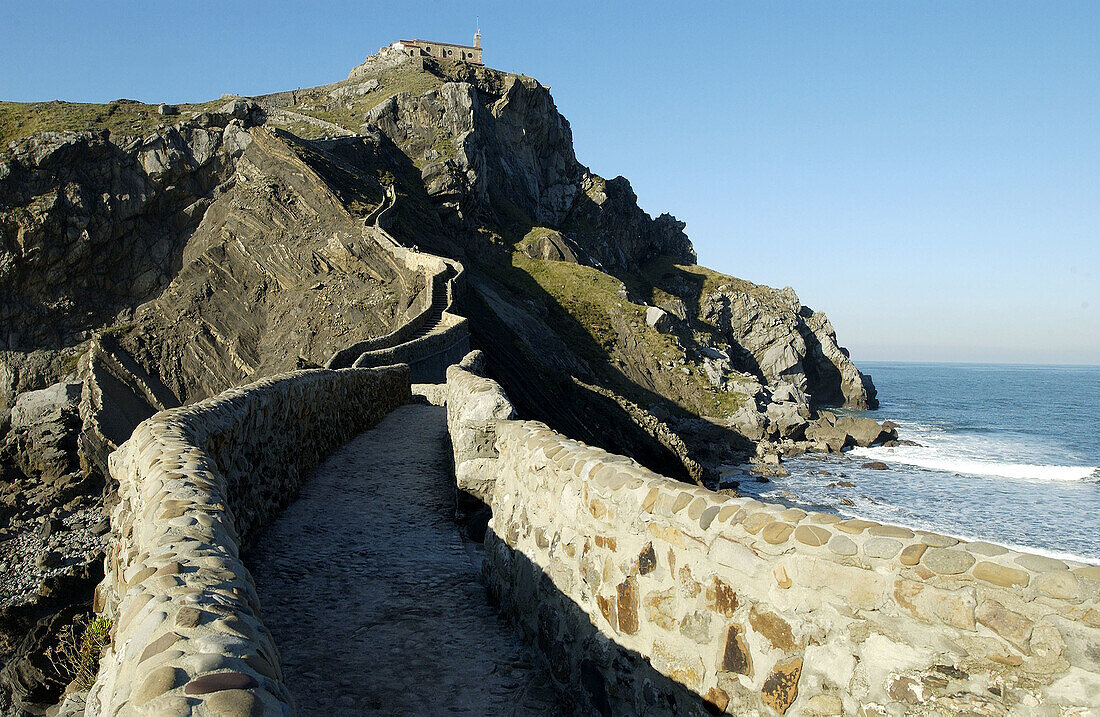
{"x":967,"y":466}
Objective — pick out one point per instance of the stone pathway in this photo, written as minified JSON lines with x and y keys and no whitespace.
{"x":372,"y":595}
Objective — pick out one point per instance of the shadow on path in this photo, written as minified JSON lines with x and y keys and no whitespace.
{"x":373,"y":597}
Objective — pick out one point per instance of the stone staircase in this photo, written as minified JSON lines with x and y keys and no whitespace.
{"x":433,"y":337}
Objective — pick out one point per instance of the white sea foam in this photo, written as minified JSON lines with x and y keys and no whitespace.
{"x":886,"y":513}
{"x":938,"y":460}
{"x":942,"y":530}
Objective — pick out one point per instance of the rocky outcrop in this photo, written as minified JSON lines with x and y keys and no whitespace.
{"x":499,"y":141}
{"x":496,"y":149}
{"x":782,"y":340}
{"x":93,"y":224}
{"x":278,"y":272}
{"x":44,"y":427}
{"x":606,"y":220}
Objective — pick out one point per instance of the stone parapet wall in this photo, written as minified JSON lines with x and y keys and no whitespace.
{"x":650,"y":595}
{"x":474,"y":407}
{"x":195,"y":483}
{"x":432,"y":338}
{"x":427,"y":356}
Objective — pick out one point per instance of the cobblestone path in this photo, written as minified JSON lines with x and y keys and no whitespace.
{"x":373,"y":597}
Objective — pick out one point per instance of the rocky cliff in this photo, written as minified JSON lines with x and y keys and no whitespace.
{"x":156,"y":256}
{"x":136,"y":273}
{"x":571,"y":275}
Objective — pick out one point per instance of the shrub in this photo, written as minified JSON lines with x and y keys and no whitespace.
{"x":79,"y":648}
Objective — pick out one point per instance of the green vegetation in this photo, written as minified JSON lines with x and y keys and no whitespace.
{"x":664,"y":273}
{"x":606,"y":331}
{"x":350,"y":112}
{"x":71,"y":362}
{"x":80,"y":645}
{"x":587,"y":295}
{"x":534,"y":235}
{"x":118,"y":329}
{"x":22,"y":119}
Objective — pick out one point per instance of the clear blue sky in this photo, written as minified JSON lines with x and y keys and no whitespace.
{"x":927,"y":173}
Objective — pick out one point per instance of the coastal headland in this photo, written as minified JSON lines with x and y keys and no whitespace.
{"x":200,"y":303}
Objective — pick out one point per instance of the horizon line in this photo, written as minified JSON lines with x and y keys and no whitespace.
{"x":981,"y":363}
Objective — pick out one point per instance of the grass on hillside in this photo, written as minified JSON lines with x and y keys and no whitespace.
{"x":22,"y":119}
{"x":664,"y":272}
{"x":351,"y":112}
{"x":586,"y":310}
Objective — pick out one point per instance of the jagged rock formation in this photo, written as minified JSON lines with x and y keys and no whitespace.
{"x":496,"y":160}
{"x":165,"y":265}
{"x":138,"y":273}
{"x":294,"y":276}
{"x":787,"y":342}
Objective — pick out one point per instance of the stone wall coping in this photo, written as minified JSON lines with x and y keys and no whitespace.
{"x":194,"y":482}
{"x":451,"y":330}
{"x":649,"y":595}
{"x":707,"y":516}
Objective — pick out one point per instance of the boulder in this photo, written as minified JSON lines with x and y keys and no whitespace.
{"x":550,"y":245}
{"x":825,"y":436}
{"x":247,"y":111}
{"x":865,"y":432}
{"x":660,"y":319}
{"x":876,"y":466}
{"x":786,"y":420}
{"x":748,"y":422}
{"x":166,"y":109}
{"x":676,"y":307}
{"x":789,"y":392}
{"x":44,"y":428}
{"x":764,"y":471}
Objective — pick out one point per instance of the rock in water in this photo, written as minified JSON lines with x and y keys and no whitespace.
{"x":827,"y":437}
{"x":864,"y":432}
{"x":876,"y":466}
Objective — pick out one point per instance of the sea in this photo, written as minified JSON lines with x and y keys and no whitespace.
{"x":1009,"y":454}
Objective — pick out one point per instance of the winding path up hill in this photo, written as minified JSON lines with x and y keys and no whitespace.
{"x":371,"y":596}
{"x":433,"y":337}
